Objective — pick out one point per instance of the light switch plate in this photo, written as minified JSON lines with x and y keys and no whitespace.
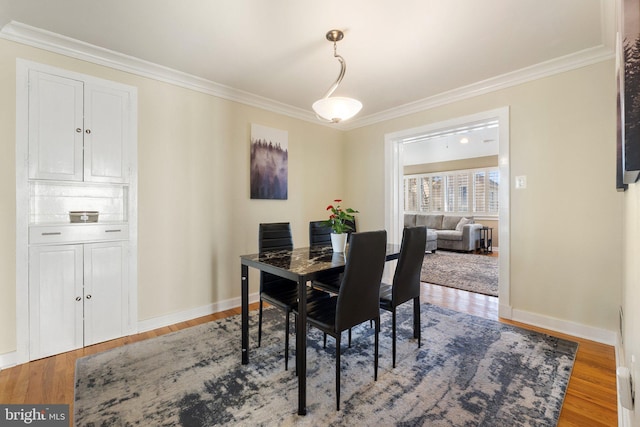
{"x":521,"y":182}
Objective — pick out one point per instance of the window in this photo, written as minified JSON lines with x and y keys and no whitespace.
{"x":492,"y":189}
{"x":457,"y":192}
{"x":411,"y":194}
{"x":465,"y":192}
{"x":479,"y":192}
{"x":437,"y":194}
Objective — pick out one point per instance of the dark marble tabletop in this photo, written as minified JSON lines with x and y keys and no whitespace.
{"x":305,"y":261}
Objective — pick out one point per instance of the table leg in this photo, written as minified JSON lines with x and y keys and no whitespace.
{"x":301,"y":347}
{"x":244,"y":274}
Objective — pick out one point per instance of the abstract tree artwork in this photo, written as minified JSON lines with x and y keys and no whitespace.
{"x":269,"y":163}
{"x":630,"y":99}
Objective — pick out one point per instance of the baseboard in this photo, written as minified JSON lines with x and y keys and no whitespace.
{"x":8,"y":360}
{"x":505,"y":311}
{"x":602,"y":336}
{"x":182,"y":316}
{"x":624,"y":415}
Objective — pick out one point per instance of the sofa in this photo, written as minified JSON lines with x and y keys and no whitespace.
{"x":458,"y":233}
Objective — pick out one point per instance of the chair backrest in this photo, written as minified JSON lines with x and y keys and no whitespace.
{"x":319,"y":234}
{"x":354,"y":229}
{"x":359,"y":295}
{"x":274,"y":236}
{"x":271,"y":237}
{"x":406,"y":280}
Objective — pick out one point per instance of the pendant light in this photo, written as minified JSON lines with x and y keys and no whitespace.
{"x":336,"y":108}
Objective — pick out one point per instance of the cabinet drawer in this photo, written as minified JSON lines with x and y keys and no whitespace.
{"x":77,"y":233}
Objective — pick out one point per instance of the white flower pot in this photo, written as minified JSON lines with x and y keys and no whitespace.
{"x":339,"y":242}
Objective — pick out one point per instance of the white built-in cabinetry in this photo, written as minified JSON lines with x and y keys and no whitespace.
{"x":78,"y":131}
{"x":80,"y":149}
{"x":78,"y":294}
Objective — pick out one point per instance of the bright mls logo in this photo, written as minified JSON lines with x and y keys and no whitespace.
{"x":37,"y":415}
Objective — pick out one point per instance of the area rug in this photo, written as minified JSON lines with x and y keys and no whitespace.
{"x":469,"y":272}
{"x":469,"y":371}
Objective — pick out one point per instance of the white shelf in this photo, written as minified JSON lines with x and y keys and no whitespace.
{"x":51,"y":201}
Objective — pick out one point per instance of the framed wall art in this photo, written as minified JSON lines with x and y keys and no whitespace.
{"x":269,"y":166}
{"x":629,"y":91}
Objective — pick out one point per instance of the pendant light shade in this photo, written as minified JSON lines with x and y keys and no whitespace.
{"x":337,"y":108}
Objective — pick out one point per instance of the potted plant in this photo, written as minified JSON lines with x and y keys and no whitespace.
{"x":338,"y":223}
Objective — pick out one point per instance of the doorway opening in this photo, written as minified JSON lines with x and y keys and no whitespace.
{"x":399,"y":147}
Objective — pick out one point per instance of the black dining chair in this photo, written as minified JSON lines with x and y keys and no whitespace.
{"x":358,"y":296}
{"x":353,"y":228}
{"x":279,"y":292}
{"x":406,"y":281}
{"x":320,"y":235}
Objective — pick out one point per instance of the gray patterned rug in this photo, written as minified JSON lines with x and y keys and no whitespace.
{"x":469,"y":272}
{"x":469,"y":372}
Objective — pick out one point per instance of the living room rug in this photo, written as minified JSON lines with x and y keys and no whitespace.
{"x":469,"y":371}
{"x":469,"y":272}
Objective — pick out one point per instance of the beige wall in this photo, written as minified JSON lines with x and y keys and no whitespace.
{"x":195,"y":215}
{"x":631,"y":288}
{"x":566,"y":262}
{"x":196,"y":218}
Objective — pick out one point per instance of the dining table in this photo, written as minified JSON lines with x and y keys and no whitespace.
{"x":300,"y":265}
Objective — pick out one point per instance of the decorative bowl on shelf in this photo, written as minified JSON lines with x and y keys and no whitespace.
{"x":83,"y":216}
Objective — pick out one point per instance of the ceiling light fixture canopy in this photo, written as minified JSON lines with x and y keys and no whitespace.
{"x":337,"y":108}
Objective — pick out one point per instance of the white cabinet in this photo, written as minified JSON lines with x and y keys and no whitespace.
{"x":55,"y":316}
{"x":76,"y":151}
{"x":55,"y":127}
{"x":78,"y":296}
{"x":106,"y":122}
{"x":78,"y":131}
{"x":105,"y":291}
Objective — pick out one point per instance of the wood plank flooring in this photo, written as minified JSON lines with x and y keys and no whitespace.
{"x":590,"y":398}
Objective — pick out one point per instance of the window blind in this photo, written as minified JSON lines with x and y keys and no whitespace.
{"x":466,"y":192}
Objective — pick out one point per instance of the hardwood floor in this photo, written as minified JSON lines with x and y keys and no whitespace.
{"x":590,"y":398}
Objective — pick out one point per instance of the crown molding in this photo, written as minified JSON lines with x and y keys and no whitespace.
{"x":524,"y":75}
{"x":53,"y":42}
{"x":39,"y":38}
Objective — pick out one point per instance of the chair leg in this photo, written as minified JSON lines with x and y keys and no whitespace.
{"x":286,"y":343}
{"x":375,"y":362}
{"x":349,"y":337}
{"x":260,"y":325}
{"x":325,"y":341}
{"x":338,"y":372}
{"x":416,"y":320}
{"x":393,"y":335}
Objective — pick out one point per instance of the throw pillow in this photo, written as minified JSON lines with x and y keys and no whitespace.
{"x":463,"y":221}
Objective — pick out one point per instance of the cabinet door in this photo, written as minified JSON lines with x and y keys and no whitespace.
{"x":55,"y":299}
{"x":105,"y":291}
{"x":106,"y":134}
{"x":55,"y":127}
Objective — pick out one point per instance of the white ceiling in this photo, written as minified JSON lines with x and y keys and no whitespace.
{"x":400,"y":55}
{"x":445,"y":146}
